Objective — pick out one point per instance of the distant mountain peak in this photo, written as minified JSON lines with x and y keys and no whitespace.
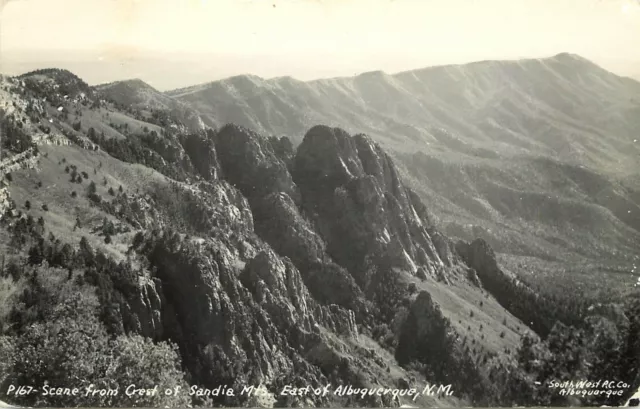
{"x":567,"y":55}
{"x":52,"y":72}
{"x":375,"y":73}
{"x":134,"y":83}
{"x":245,"y":80}
{"x":571,"y":58}
{"x":137,"y":82}
{"x":65,"y":78}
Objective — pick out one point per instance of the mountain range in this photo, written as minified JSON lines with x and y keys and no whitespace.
{"x":476,"y":226}
{"x":538,"y":157}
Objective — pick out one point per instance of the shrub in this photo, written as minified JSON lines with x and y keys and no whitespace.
{"x":27,"y":205}
{"x":13,"y":270}
{"x":73,"y":349}
{"x":7,"y":352}
{"x":45,"y":207}
{"x":95,"y":198}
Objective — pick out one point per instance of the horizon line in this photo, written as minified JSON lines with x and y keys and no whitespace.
{"x":281,"y":77}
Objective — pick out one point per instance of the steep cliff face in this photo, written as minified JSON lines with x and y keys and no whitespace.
{"x":479,"y":255}
{"x":279,"y":275}
{"x":236,"y":326}
{"x":496,"y":149}
{"x":352,"y":193}
{"x":278,"y":286}
{"x":250,"y":163}
{"x":337,"y":208}
{"x":263,"y":263}
{"x":266,"y":263}
{"x":240,"y":312}
{"x":202,"y":153}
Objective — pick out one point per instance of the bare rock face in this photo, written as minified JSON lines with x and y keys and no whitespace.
{"x":339,"y":320}
{"x":279,"y":223}
{"x":286,"y":267}
{"x":328,"y":156}
{"x":226,"y":207}
{"x":472,"y":275}
{"x":210,"y":313}
{"x":352,"y":192}
{"x":445,"y":249}
{"x":250,"y":163}
{"x":424,"y":323}
{"x":478,"y":255}
{"x":278,"y":287}
{"x":143,"y":312}
{"x":283,"y":148}
{"x":202,"y":153}
{"x":422,"y":273}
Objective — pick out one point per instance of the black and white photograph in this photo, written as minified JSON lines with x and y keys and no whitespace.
{"x":319,"y":203}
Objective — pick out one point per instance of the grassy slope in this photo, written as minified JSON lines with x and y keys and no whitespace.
{"x":56,"y":189}
{"x":468,"y":308}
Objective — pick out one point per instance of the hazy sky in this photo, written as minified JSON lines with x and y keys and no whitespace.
{"x":104,"y":40}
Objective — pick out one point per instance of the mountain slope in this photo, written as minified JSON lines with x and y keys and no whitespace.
{"x":207,"y":241}
{"x":535,"y":156}
{"x":529,"y":106}
{"x":149,"y":101}
{"x":136,"y":250}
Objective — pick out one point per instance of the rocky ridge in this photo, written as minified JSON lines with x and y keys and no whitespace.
{"x":536,"y":156}
{"x":273,"y":265}
{"x":269,"y":289}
